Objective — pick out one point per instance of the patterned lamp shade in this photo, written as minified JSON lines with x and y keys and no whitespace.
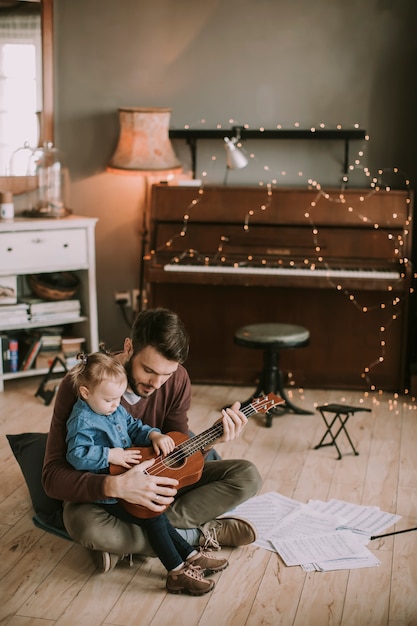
{"x":144,"y":143}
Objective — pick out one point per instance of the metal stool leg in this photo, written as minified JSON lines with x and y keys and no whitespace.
{"x":329,"y":432}
{"x":342,"y":427}
{"x":272,"y":379}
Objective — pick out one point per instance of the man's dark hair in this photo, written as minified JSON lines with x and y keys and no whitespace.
{"x":163,"y":330}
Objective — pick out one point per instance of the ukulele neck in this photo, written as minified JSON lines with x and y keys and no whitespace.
{"x":204,"y":439}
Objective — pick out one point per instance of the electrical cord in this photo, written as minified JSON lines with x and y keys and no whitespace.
{"x":122,"y":307}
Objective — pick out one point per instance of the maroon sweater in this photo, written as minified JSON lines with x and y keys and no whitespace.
{"x":165,"y":409}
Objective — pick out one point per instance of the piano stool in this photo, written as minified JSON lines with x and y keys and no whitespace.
{"x":341,"y":414}
{"x":272,"y":338}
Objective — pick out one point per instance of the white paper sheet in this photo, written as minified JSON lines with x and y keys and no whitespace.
{"x":265,"y":511}
{"x":341,"y":544}
{"x":368,"y":520}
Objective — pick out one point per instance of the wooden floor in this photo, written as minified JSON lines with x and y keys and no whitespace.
{"x":45,"y":580}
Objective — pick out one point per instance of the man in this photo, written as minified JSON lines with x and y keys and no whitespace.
{"x":159,"y":393}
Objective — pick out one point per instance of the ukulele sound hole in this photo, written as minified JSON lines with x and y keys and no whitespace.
{"x":175,"y":459}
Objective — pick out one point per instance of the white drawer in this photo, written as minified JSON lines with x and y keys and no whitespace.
{"x":43,"y":251}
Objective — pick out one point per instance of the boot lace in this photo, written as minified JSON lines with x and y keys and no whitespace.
{"x":211,"y":541}
{"x":194,"y":571}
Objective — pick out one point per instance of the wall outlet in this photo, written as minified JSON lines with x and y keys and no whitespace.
{"x":135,"y":299}
{"x":123,"y":298}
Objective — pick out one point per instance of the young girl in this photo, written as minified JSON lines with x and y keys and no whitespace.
{"x":98,"y":431}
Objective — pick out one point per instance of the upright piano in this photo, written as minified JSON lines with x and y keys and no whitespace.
{"x":336,"y":262}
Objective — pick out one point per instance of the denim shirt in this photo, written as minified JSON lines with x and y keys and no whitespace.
{"x":90,"y":436}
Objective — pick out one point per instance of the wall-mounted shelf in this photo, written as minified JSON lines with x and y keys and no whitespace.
{"x":192,"y":136}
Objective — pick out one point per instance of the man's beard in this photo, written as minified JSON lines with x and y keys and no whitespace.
{"x":132,"y":384}
{"x":130,"y":379}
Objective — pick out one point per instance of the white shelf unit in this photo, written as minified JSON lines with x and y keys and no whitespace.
{"x":41,"y":245}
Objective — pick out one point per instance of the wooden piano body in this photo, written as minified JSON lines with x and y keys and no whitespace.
{"x":336,"y":263}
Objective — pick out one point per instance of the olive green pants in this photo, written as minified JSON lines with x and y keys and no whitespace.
{"x":222,"y":486}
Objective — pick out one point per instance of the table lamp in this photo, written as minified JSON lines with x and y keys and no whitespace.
{"x":144,"y":147}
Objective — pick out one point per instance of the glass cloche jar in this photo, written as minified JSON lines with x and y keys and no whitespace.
{"x":46,"y":164}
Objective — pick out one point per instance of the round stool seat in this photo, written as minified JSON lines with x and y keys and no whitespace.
{"x":271,"y":339}
{"x":272,"y":336}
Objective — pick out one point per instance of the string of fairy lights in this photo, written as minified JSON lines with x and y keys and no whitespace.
{"x":391,"y":304}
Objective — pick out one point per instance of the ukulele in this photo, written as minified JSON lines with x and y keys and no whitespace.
{"x":186,"y":461}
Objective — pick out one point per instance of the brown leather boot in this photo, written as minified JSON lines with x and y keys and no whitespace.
{"x":227,"y":531}
{"x":189,"y":579}
{"x":207,"y":562}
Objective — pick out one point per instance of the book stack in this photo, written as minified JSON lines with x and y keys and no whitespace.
{"x":39,"y":347}
{"x":51,"y":338}
{"x":14,"y":314}
{"x":41,"y":311}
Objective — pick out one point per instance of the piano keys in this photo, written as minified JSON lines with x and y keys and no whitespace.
{"x":338,"y":264}
{"x":311,"y":272}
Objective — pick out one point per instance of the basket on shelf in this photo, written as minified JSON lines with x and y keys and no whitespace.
{"x":54,"y":286}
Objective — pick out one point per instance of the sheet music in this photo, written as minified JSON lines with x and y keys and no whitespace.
{"x":319,"y":536}
{"x":369,"y":520}
{"x":356,"y":562}
{"x":303,"y":522}
{"x":340,"y":544}
{"x":264,"y":512}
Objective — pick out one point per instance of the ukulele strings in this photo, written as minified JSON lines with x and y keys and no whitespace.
{"x":190,"y":446}
{"x":185,"y":449}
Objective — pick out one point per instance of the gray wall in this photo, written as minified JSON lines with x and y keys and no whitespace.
{"x":258,"y":62}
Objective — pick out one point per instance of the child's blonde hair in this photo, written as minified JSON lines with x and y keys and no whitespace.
{"x":94,"y":368}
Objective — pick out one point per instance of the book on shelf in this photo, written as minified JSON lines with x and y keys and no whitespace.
{"x":54,"y":318}
{"x":38,"y":306}
{"x":14,"y":320}
{"x":31,"y":354}
{"x":19,"y":306}
{"x":13,"y":313}
{"x":50,"y":344}
{"x":50,"y":312}
{"x":9,"y":353}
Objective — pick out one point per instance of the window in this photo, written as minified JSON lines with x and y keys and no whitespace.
{"x":20,"y":91}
